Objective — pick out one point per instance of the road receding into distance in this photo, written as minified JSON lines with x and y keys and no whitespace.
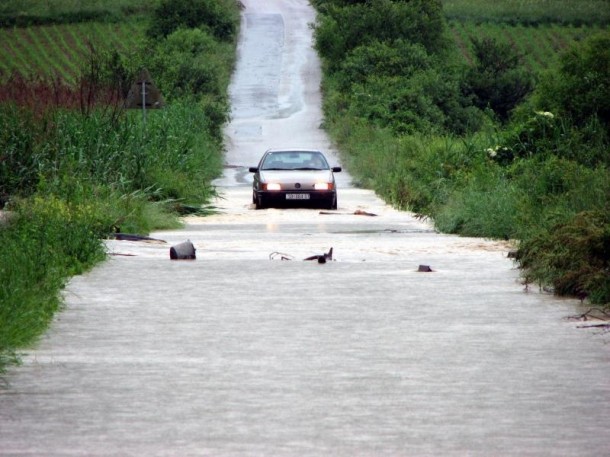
{"x":240,"y":353}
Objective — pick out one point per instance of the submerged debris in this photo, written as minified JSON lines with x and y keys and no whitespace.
{"x":358,"y":212}
{"x":274,"y":255}
{"x":132,"y":237}
{"x":322,"y":258}
{"x":183,"y":251}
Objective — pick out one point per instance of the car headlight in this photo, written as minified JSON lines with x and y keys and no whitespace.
{"x":323,"y":186}
{"x":272,"y":186}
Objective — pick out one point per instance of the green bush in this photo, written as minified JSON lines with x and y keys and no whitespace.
{"x":343,"y":28}
{"x":392,"y":67}
{"x":498,"y":79}
{"x":382,"y":59}
{"x":485,"y":205}
{"x":190,"y":62}
{"x":217,"y":17}
{"x":427,"y":101}
{"x":573,"y":255}
{"x":48,"y":240}
{"x":544,"y":134}
{"x":579,"y":88}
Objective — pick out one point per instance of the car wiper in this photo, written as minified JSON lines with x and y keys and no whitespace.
{"x":272,"y":169}
{"x":308,"y":168}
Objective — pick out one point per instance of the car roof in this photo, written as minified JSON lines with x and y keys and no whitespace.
{"x":292,"y":150}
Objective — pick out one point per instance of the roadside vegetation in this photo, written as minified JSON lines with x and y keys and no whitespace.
{"x":75,"y":166}
{"x":451,"y":109}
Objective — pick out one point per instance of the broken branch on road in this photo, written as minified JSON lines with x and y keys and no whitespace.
{"x":358,"y":212}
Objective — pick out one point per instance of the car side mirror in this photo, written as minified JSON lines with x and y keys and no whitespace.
{"x":253,"y":169}
{"x":336,"y":169}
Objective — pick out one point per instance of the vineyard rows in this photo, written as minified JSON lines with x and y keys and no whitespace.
{"x":59,"y":50}
{"x":538,"y":46}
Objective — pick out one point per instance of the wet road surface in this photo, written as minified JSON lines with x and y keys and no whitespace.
{"x":239,"y":353}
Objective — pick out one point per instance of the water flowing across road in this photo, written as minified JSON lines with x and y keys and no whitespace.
{"x":239,"y":353}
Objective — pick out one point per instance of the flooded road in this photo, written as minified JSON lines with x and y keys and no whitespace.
{"x":239,"y":353}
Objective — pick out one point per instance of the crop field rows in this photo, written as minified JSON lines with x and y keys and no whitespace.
{"x":59,"y":50}
{"x":538,"y":46}
{"x":531,"y":12}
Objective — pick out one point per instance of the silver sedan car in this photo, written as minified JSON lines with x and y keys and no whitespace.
{"x":294,"y":176}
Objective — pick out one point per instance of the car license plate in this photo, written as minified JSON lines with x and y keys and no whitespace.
{"x":297,"y":196}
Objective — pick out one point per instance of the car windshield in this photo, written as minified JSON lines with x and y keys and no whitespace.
{"x":295,"y":160}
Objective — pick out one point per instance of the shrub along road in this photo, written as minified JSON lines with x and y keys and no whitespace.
{"x":240,"y":353}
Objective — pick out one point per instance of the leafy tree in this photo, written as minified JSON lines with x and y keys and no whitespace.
{"x":186,"y":63}
{"x":218,"y":17}
{"x":580,"y":87}
{"x":497,"y":80}
{"x":382,"y":59}
{"x":344,"y":28}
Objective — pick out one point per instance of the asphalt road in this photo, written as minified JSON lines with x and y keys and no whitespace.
{"x":240,"y":353}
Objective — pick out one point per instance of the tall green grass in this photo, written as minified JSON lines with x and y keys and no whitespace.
{"x":456,"y":182}
{"x":47,"y":241}
{"x":172,"y":154}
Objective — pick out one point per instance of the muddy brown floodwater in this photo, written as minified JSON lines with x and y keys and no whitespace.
{"x":239,"y":353}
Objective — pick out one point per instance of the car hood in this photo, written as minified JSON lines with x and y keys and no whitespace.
{"x":300,"y":176}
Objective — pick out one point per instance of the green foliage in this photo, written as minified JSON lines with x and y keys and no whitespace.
{"x":497,"y":80}
{"x":427,"y":101}
{"x":485,"y":205}
{"x":580,"y":87}
{"x":383,"y":60}
{"x":190,"y":61}
{"x":543,"y":134}
{"x":342,"y":29}
{"x":391,"y":67}
{"x":47,"y":240}
{"x":573,"y":255}
{"x":173,"y":157}
{"x":217,"y":17}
